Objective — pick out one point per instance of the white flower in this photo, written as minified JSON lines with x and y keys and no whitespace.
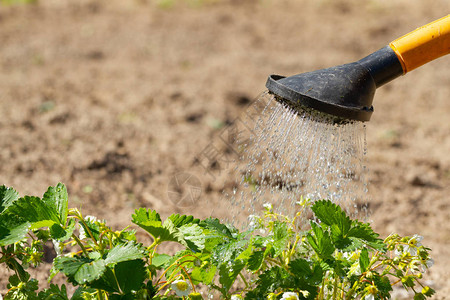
{"x":253,"y":222}
{"x":57,"y":245}
{"x":236,"y":297}
{"x":268,"y":206}
{"x":429,"y":263}
{"x":413,"y":244}
{"x":181,"y":287}
{"x":289,"y":296}
{"x":421,"y":265}
{"x":369,"y":297}
{"x":355,"y":269}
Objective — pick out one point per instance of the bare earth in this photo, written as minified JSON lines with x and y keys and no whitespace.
{"x":114,"y":97}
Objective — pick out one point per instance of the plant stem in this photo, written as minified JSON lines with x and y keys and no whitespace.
{"x":244,"y":280}
{"x":99,"y":294}
{"x":335,"y":286}
{"x":80,"y":244}
{"x":117,"y":282}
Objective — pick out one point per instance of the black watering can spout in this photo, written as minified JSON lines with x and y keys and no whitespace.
{"x":346,"y":92}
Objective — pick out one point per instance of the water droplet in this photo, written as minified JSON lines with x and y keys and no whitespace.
{"x":301,"y":153}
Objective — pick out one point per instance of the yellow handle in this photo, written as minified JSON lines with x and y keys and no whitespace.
{"x":423,"y":44}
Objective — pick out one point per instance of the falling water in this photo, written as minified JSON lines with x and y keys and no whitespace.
{"x":293,"y":153}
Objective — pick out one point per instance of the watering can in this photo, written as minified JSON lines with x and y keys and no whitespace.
{"x":346,"y":92}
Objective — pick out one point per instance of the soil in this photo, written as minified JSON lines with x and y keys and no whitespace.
{"x":114,"y":98}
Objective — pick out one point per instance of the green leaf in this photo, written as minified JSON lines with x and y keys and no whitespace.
{"x":180,"y":220}
{"x":34,"y":210}
{"x":78,"y":294}
{"x":364,"y":259}
{"x":229,"y":272}
{"x":255,"y":260}
{"x":226,"y":252}
{"x":363,"y":233}
{"x":214,"y":225}
{"x":122,"y":253}
{"x":271,"y":280}
{"x":13,"y":264}
{"x":62,"y":234}
{"x":191,"y":235}
{"x":91,"y":225}
{"x":204,"y":274}
{"x":150,"y":221}
{"x":57,"y":198}
{"x":300,"y":267}
{"x":160,"y":260}
{"x":280,"y":237}
{"x":332,"y":215}
{"x":427,"y":291}
{"x":7,"y":197}
{"x":12,"y":230}
{"x":54,"y":292}
{"x":130,"y":275}
{"x":22,"y":290}
{"x":106,"y":282}
{"x":80,"y":270}
{"x":320,"y":241}
{"x":182,"y":229}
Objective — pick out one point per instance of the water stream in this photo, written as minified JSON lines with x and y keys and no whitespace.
{"x":293,"y":153}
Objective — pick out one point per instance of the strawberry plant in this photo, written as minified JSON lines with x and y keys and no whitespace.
{"x":335,"y":258}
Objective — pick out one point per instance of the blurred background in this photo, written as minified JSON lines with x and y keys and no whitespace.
{"x":115,"y":98}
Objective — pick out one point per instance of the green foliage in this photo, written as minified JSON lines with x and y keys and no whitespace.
{"x":336,"y":258}
{"x":16,"y":2}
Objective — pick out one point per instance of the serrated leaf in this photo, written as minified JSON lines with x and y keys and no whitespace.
{"x":150,"y":221}
{"x":270,"y":280}
{"x":27,"y":291}
{"x":34,"y":210}
{"x":180,"y":220}
{"x":177,"y":228}
{"x":57,"y":198}
{"x":320,"y":241}
{"x":215,"y":226}
{"x":90,"y":271}
{"x":300,"y":267}
{"x":228,"y":251}
{"x":80,"y":270}
{"x":245,"y":255}
{"x":229,"y":272}
{"x":365,"y":234}
{"x":280,"y":238}
{"x":383,"y":284}
{"x":191,"y":235}
{"x":12,"y":232}
{"x":332,"y":215}
{"x":122,"y":253}
{"x":78,"y":294}
{"x":54,"y":292}
{"x":7,"y":197}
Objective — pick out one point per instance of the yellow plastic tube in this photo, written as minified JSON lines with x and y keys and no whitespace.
{"x":423,"y":44}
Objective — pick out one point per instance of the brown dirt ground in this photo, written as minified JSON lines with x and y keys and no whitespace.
{"x":114,"y":97}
